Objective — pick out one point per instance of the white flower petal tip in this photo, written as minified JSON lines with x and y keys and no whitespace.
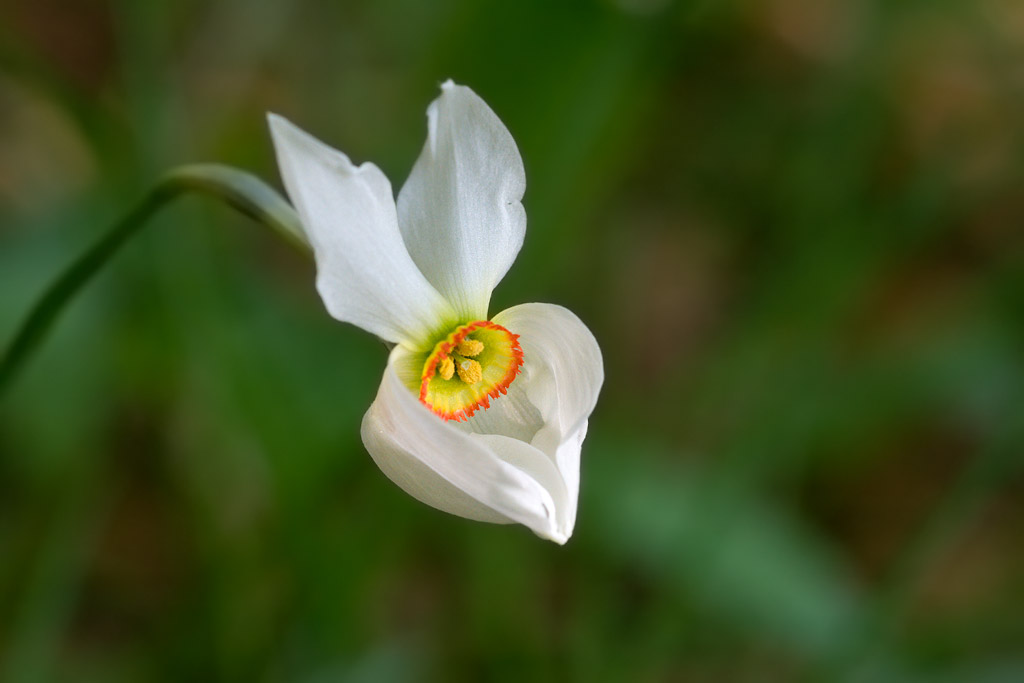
{"x":470,"y":179}
{"x":481,"y":418}
{"x":364,"y":273}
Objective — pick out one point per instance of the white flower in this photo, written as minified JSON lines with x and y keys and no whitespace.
{"x":479,"y":416}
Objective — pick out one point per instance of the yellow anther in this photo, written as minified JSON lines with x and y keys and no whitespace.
{"x":470,"y":371}
{"x":446,"y":368}
{"x":486,"y":365}
{"x":469,"y":347}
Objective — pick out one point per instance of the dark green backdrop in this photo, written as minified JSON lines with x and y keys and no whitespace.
{"x":795,"y":227}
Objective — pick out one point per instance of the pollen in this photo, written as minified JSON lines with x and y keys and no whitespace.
{"x":446,"y":368}
{"x":470,"y":371}
{"x":469,"y":347}
{"x":462,"y":375}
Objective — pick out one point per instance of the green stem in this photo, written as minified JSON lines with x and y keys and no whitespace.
{"x":238,"y":189}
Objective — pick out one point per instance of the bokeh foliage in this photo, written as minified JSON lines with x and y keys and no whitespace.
{"x":793,"y":225}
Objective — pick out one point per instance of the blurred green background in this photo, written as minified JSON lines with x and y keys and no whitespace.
{"x":793,"y":225}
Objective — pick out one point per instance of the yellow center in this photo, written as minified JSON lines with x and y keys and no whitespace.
{"x":475,"y":363}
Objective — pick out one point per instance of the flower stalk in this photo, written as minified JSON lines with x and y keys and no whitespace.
{"x":238,"y":189}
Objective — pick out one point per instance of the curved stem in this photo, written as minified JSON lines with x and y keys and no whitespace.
{"x":238,"y":189}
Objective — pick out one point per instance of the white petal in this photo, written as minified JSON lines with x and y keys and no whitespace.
{"x":364,"y":272}
{"x":460,"y":212}
{"x":562,"y":366}
{"x":511,"y":415}
{"x":562,"y":375}
{"x":492,"y":478}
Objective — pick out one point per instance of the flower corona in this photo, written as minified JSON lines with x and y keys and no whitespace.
{"x":466,"y":370}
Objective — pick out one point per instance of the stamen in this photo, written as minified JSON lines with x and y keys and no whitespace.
{"x":486,"y":365}
{"x":470,"y":371}
{"x":469,"y":347}
{"x":446,"y":368}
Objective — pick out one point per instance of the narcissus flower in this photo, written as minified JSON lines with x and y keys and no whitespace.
{"x":480,"y":416}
